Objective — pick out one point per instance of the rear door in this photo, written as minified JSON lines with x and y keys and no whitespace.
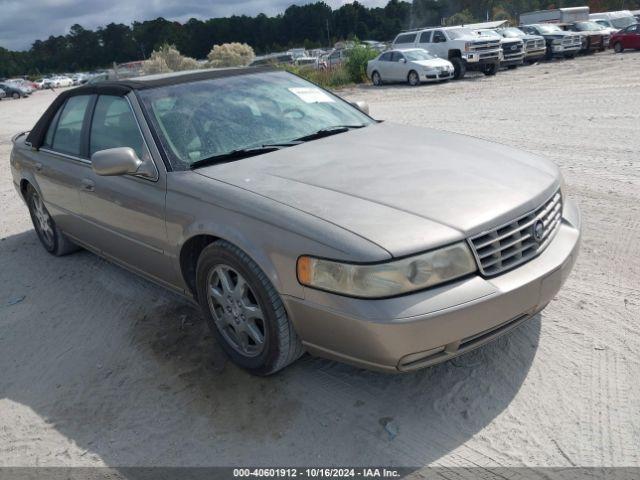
{"x":61,"y":162}
{"x":633,"y":36}
{"x":424,"y":41}
{"x":126,"y":213}
{"x":439,"y":44}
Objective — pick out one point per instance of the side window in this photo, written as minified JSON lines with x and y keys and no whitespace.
{"x":385,"y":57}
{"x":68,"y":135}
{"x":425,"y":37}
{"x":406,"y":38}
{"x":114,"y":125}
{"x":438,"y":37}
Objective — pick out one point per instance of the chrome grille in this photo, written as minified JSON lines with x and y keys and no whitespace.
{"x":516,"y":242}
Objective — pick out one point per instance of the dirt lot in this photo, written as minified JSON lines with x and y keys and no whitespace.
{"x":99,"y":367}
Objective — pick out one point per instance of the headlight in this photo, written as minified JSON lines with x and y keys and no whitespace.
{"x":557,"y":41}
{"x":387,"y":279}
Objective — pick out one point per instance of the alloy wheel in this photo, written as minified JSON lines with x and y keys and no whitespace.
{"x":236,"y":310}
{"x":43,"y":223}
{"x":413,"y":79}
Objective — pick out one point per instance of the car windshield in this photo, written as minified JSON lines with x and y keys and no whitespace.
{"x":623,"y":22}
{"x":460,"y":32}
{"x":417,"y":55}
{"x":586,"y":26}
{"x":209,"y":118}
{"x":549,"y":28}
{"x":512,"y":33}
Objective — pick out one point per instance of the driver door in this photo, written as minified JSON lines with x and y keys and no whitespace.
{"x":398,"y":67}
{"x":126,"y":213}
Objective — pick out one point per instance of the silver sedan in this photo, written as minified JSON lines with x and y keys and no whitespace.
{"x":412,"y":65}
{"x":295,"y":220}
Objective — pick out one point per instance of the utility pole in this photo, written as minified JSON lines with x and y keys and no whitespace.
{"x":328,"y":36}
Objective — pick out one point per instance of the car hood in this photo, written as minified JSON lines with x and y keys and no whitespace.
{"x":436,"y":62}
{"x":403,"y":188}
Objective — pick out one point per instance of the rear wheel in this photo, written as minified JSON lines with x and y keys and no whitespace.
{"x":51,"y":238}
{"x":413,"y":78}
{"x":459,"y":67}
{"x":15,"y":95}
{"x":376,"y":79}
{"x":244,"y":310}
{"x":617,"y":47}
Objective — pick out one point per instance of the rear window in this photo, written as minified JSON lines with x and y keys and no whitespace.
{"x":406,"y":38}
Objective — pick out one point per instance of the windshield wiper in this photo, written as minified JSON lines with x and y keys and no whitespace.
{"x":238,"y":154}
{"x":327,"y":132}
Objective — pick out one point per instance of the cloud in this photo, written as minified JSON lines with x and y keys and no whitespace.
{"x":21,"y":22}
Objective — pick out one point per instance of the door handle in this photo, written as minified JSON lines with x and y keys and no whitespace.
{"x":88,"y":185}
{"x":38,"y":167}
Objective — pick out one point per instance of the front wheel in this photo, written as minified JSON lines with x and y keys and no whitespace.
{"x":490,"y":69}
{"x":459,"y":68}
{"x":15,"y":95}
{"x":617,"y":47}
{"x":376,"y":79}
{"x":244,"y":310}
{"x":413,"y":78}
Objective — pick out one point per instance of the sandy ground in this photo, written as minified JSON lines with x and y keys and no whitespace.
{"x":99,"y":367}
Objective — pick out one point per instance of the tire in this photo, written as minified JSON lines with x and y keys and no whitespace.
{"x":512,"y":67}
{"x":459,"y":68}
{"x":549,"y":54}
{"x":570,"y":56}
{"x":617,"y":47}
{"x":413,"y":78}
{"x":376,"y":79}
{"x":16,"y":95}
{"x":490,"y":69}
{"x":262,"y":346}
{"x":50,"y":236}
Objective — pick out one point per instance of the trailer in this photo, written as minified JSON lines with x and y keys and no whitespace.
{"x":558,"y":15}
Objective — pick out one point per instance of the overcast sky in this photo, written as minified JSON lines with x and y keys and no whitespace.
{"x":24,"y":21}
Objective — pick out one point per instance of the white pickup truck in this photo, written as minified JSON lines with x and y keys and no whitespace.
{"x":463,"y":47}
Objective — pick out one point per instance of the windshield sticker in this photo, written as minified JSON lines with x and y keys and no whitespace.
{"x":311,"y":95}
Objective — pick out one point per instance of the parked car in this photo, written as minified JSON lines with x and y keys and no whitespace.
{"x":512,"y":49}
{"x":555,"y":15}
{"x":3,"y":94}
{"x":594,"y":38}
{"x":559,"y":42}
{"x":336,"y":57}
{"x":23,"y":84}
{"x":617,"y":20}
{"x":535,"y":45}
{"x":413,"y":65}
{"x":626,"y":38}
{"x":273,"y":59}
{"x":300,"y":223}
{"x":307,"y":62}
{"x":13,"y":91}
{"x":464,"y":48}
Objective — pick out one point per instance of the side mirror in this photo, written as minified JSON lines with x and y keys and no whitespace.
{"x":403,"y":60}
{"x":362,"y":106}
{"x":116,"y":161}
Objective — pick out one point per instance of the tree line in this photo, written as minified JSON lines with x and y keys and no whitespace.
{"x":312,"y":25}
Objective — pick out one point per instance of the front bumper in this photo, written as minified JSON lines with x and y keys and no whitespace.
{"x":436,"y":76}
{"x":418,"y":330}
{"x":565,"y":49}
{"x":512,"y":60}
{"x":536,"y":54}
